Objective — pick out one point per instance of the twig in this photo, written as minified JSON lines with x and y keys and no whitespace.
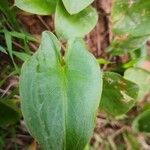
{"x":17,"y":44}
{"x":43,"y":22}
{"x":112,"y":137}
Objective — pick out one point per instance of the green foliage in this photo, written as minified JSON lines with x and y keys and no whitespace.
{"x":119,"y":95}
{"x":22,"y":37}
{"x":70,"y":26}
{"x":75,"y":6}
{"x":128,"y":45}
{"x":41,"y":7}
{"x":46,"y":7}
{"x":141,"y":78}
{"x":9,"y":113}
{"x":8,"y":41}
{"x":131,"y":17}
{"x":76,"y":20}
{"x":9,"y":14}
{"x":60,"y":96}
{"x":131,"y":141}
{"x":130,"y":21}
{"x":142,"y":122}
{"x":3,"y":50}
{"x":21,"y":55}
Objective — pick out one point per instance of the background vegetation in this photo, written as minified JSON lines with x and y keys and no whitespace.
{"x":20,"y":34}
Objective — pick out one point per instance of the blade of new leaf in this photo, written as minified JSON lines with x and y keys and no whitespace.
{"x":69,"y":26}
{"x":40,"y":7}
{"x":142,"y":122}
{"x":21,"y":55}
{"x":119,"y":95}
{"x":8,"y":40}
{"x":60,"y":97}
{"x":23,"y":36}
{"x":3,"y":50}
{"x":141,"y":78}
{"x":75,"y":6}
{"x":9,"y":113}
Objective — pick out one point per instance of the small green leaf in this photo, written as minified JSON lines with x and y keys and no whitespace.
{"x":60,"y":96}
{"x":119,"y":95}
{"x":40,"y":7}
{"x":75,"y":6}
{"x":9,"y":113}
{"x":141,"y":78}
{"x":103,"y":61}
{"x":69,"y":26}
{"x":142,"y":122}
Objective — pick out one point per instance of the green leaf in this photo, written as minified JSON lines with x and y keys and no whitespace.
{"x":142,"y":122}
{"x":127,"y":45}
{"x":69,"y":26}
{"x":130,"y":22}
{"x":9,"y":13}
{"x":60,"y":95}
{"x":131,"y":17}
{"x":40,"y":7}
{"x":141,"y":78}
{"x":21,"y":55}
{"x":75,"y":6}
{"x":103,"y":61}
{"x":131,"y":141}
{"x":119,"y":95}
{"x":8,"y":40}
{"x":9,"y":113}
{"x":23,"y":36}
{"x":3,"y":50}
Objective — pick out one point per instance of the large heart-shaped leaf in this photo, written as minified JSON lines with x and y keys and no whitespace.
{"x":75,"y":6}
{"x":60,"y":96}
{"x":142,"y":122}
{"x":69,"y":26}
{"x":40,"y":7}
{"x":119,"y":95}
{"x":140,"y":77}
